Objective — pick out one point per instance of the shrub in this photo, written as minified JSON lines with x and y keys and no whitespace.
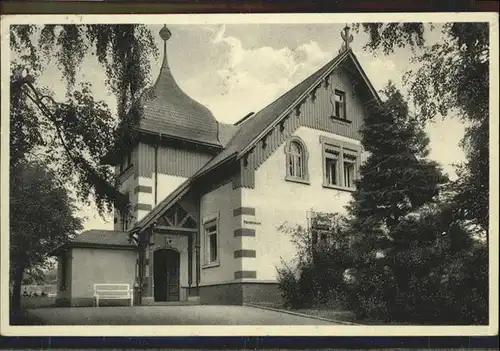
{"x":318,"y":276}
{"x":288,"y":285}
{"x":432,"y":273}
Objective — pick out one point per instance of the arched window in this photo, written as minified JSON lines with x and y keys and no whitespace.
{"x":296,"y":160}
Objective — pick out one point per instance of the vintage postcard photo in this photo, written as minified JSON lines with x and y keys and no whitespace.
{"x":250,"y":174}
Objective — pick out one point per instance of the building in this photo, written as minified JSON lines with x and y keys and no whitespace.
{"x":208,"y":197}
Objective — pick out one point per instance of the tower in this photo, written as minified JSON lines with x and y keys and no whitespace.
{"x":176,"y":136}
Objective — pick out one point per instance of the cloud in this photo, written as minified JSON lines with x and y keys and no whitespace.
{"x":249,"y":79}
{"x":445,"y":136}
{"x":380,"y":71}
{"x":246,"y":80}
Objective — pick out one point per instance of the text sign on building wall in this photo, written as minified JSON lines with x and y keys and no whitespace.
{"x":247,"y":221}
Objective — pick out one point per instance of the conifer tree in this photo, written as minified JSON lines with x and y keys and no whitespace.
{"x":396,"y":180}
{"x":452,"y":80}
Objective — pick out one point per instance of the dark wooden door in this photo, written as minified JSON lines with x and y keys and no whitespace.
{"x":166,"y":275}
{"x":173,"y":275}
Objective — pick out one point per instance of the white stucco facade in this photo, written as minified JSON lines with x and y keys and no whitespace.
{"x":98,"y":266}
{"x":278,"y":201}
{"x":247,"y":193}
{"x":218,"y":205}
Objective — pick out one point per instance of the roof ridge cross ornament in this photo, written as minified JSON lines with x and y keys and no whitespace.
{"x":346,"y":37}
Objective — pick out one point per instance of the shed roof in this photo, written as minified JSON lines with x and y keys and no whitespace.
{"x":99,"y":238}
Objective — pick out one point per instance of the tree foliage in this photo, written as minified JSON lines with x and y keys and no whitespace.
{"x":408,"y":240}
{"x":316,"y":275}
{"x":452,"y":78}
{"x":396,"y":178}
{"x":74,"y":135}
{"x":42,"y":216}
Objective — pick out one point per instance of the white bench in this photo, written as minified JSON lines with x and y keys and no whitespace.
{"x":113,"y":292}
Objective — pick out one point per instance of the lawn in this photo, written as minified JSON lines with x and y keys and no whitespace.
{"x":21,"y":318}
{"x":37,"y":302}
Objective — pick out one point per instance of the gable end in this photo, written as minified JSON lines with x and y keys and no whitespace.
{"x":315,"y":112}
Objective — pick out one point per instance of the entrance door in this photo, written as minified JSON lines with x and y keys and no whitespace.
{"x":166,"y":275}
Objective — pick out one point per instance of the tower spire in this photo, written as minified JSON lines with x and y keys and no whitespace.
{"x":346,"y":37}
{"x":165,"y":34}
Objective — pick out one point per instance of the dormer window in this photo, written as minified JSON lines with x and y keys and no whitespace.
{"x":296,"y":160}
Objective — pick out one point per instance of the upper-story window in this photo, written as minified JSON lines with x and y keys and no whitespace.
{"x":340,"y":106}
{"x":125,"y":218}
{"x":126,"y":161}
{"x":341,"y":164}
{"x":296,"y":160}
{"x":349,"y":169}
{"x":125,"y":221}
{"x":332,"y":156}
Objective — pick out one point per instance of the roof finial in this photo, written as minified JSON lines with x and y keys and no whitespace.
{"x":347,"y":37}
{"x":165,"y":34}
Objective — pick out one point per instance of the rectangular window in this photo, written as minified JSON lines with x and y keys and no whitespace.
{"x":341,"y":162}
{"x":124,"y":222}
{"x":340,"y":104}
{"x":125,"y":217}
{"x":331,"y":165}
{"x":349,"y":170}
{"x":126,"y":161}
{"x":212,"y":249}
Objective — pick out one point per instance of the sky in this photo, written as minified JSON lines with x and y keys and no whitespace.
{"x":235,"y":69}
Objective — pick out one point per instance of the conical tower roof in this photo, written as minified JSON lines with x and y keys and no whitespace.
{"x":170,"y":111}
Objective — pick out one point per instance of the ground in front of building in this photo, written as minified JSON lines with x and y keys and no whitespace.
{"x":165,"y":315}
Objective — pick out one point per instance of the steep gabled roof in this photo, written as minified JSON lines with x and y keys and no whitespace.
{"x":255,"y":125}
{"x":258,"y":125}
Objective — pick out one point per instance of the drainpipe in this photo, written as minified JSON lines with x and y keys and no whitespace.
{"x":197,"y":252}
{"x":198,"y":271}
{"x":156,"y":170}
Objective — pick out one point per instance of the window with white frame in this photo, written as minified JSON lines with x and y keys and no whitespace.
{"x":341,"y":164}
{"x":211,"y":242}
{"x":296,"y":160}
{"x":349,"y":160}
{"x":331,"y":166}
